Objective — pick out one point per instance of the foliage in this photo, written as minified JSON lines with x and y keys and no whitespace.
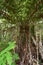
{"x":21,"y":10}
{"x":6,"y":31}
{"x":6,"y":57}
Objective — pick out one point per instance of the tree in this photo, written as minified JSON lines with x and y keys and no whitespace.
{"x":24,"y":12}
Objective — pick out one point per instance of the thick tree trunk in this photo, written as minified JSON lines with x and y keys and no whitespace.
{"x":23,"y":45}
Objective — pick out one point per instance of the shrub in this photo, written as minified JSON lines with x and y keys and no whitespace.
{"x":6,"y":56}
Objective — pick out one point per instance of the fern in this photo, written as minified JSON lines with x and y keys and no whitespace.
{"x":16,"y":57}
{"x":6,"y":56}
{"x":9,"y":58}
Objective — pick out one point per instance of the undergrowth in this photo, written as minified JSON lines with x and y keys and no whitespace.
{"x":6,"y":56}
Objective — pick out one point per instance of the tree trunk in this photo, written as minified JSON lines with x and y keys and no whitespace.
{"x":23,"y":45}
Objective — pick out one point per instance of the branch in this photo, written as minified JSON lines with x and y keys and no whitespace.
{"x":36,"y":8}
{"x":5,"y":15}
{"x":34,"y":40}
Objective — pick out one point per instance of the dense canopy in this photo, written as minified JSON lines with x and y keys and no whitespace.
{"x":21,"y":10}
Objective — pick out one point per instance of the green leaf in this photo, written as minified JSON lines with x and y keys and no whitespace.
{"x":9,"y":58}
{"x":11,"y":46}
{"x":2,"y":60}
{"x":14,"y":63}
{"x":16,"y":56}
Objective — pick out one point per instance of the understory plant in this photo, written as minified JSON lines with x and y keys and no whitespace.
{"x":7,"y":57}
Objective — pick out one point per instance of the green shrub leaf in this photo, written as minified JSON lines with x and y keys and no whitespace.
{"x":16,"y":56}
{"x":9,"y":58}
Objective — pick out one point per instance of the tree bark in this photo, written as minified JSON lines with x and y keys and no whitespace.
{"x":23,"y":44}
